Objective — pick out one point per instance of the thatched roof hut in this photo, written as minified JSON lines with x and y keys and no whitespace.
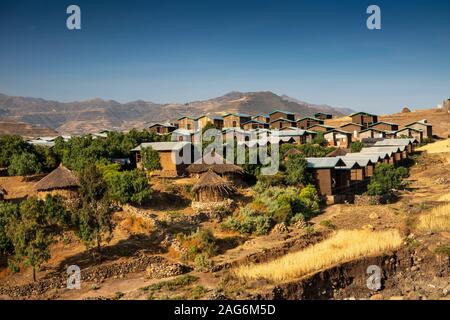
{"x":60,"y":179}
{"x":218,"y":165}
{"x":212,"y":188}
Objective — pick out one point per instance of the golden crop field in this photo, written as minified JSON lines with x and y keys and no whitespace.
{"x":343,"y":246}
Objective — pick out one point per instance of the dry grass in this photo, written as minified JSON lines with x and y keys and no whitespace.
{"x":445,"y":197}
{"x":343,"y":246}
{"x":437,"y":147}
{"x":437,"y":220}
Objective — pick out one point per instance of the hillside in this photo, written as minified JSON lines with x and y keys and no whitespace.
{"x":24,"y":129}
{"x":92,"y":115}
{"x":438,"y":118}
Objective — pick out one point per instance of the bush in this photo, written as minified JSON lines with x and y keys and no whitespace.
{"x":283,"y":204}
{"x":386,"y":178}
{"x":200,"y":242}
{"x":250,"y":222}
{"x":356,"y":146}
{"x":150,"y":159}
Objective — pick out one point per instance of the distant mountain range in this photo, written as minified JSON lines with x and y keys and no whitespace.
{"x":93,"y":115}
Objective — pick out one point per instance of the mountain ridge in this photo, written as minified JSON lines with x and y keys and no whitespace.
{"x":79,"y":117}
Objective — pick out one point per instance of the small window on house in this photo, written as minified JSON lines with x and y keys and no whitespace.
{"x":189,"y":126}
{"x":234,"y":124}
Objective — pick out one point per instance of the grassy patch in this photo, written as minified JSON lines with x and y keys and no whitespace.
{"x":437,"y":220}
{"x":343,"y":246}
{"x":443,"y":250}
{"x":445,"y":197}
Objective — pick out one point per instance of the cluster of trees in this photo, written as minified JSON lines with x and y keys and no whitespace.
{"x":28,"y":229}
{"x":22,"y":158}
{"x":81,"y":151}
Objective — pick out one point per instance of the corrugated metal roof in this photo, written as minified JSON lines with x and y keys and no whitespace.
{"x":324,"y":163}
{"x":163,"y":146}
{"x":349,"y":164}
{"x":362,"y":162}
{"x":281,"y":111}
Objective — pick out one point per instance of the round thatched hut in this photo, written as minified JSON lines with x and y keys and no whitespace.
{"x":60,"y":181}
{"x":211,"y":188}
{"x":3,"y":193}
{"x":228,"y":171}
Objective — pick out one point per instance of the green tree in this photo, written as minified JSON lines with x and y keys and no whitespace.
{"x":93,"y":219}
{"x":24,"y":164}
{"x":296,"y":173}
{"x":47,"y":158}
{"x":385,"y":178}
{"x":34,"y":229}
{"x":129,"y":186}
{"x":10,"y":146}
{"x":150,"y":159}
{"x":8,"y":212}
{"x":356,"y":146}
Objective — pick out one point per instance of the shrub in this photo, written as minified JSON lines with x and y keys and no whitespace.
{"x":385,"y":178}
{"x":150,"y":159}
{"x":356,"y":146}
{"x":200,"y":242}
{"x":249,"y":221}
{"x":129,"y":186}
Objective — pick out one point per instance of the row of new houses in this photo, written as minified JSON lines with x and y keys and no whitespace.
{"x":363,"y":125}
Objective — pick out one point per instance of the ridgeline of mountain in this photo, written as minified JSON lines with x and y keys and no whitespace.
{"x":92,"y":115}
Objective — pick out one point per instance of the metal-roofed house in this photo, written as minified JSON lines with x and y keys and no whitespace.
{"x":323,"y":115}
{"x":306,"y":122}
{"x":371,"y":133}
{"x":409,"y":132}
{"x":282,"y":123}
{"x":235,"y":120}
{"x":338,"y":138}
{"x":255,"y":124}
{"x":330,"y":183}
{"x":215,"y":120}
{"x":186,"y":122}
{"x":385,"y":126}
{"x":353,"y":128}
{"x":262,"y":117}
{"x":424,"y":126}
{"x":320,"y":128}
{"x":280,"y":114}
{"x":161,"y":128}
{"x":364,"y":118}
{"x":174,"y":156}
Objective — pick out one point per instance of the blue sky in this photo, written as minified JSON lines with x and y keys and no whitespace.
{"x":180,"y":51}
